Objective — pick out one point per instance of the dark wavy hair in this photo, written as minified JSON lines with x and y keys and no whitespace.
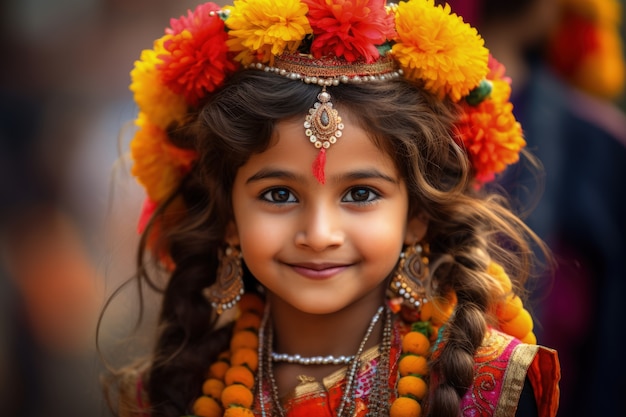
{"x":467,"y":228}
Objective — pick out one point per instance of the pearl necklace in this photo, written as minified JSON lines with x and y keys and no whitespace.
{"x":314,"y":360}
{"x":347,"y":401}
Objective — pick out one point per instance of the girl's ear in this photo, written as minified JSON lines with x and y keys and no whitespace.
{"x":232,"y":234}
{"x":416,"y":229}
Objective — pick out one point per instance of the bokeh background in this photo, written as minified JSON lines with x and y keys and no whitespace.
{"x":68,"y":207}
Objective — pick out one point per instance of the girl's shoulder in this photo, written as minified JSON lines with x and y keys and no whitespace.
{"x":502,"y":365}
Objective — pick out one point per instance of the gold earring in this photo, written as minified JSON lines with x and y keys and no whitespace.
{"x":408,"y":282}
{"x":228,"y":287}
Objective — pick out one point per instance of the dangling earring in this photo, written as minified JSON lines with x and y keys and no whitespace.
{"x":228,"y":287}
{"x":408,"y":282}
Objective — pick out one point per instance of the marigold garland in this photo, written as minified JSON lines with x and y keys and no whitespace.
{"x":228,"y":389}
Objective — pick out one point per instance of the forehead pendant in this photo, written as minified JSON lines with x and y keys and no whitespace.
{"x":323,"y":127}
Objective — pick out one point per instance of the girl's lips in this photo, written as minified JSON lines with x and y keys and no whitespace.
{"x":319,"y":272}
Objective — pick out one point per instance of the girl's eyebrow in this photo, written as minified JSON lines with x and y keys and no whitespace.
{"x":266,"y":173}
{"x":363,"y":174}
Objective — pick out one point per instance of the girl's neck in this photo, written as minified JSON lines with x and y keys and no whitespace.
{"x":336,"y":334}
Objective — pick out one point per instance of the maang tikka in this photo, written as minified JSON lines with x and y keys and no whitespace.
{"x":228,"y":287}
{"x":409,"y":278}
{"x":323,"y":126}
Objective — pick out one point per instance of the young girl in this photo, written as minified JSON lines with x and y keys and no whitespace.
{"x":316,"y":175}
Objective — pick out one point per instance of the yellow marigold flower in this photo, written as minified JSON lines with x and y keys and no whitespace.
{"x":160,"y":104}
{"x":261,"y":29}
{"x":437,"y":47}
{"x":497,"y":272}
{"x":530,"y":339}
{"x":159,"y":166}
{"x":509,"y":308}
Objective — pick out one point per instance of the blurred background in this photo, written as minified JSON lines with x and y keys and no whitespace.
{"x":68,"y":206}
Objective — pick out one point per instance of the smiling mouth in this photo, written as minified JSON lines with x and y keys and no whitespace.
{"x":318,"y":271}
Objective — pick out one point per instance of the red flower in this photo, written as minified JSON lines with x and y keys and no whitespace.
{"x":349,"y":28}
{"x":198,"y":59}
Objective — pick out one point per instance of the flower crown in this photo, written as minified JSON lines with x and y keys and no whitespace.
{"x":348,"y":40}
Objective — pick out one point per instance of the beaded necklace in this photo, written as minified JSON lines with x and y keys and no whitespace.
{"x":228,"y":390}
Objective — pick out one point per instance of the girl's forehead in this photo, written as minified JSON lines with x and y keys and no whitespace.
{"x":291,"y":150}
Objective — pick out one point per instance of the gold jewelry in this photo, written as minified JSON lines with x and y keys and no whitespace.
{"x":408,"y":281}
{"x":228,"y":287}
{"x":323,"y":126}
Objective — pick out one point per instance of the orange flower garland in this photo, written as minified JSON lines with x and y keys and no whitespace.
{"x":413,"y":369}
{"x":228,"y":389}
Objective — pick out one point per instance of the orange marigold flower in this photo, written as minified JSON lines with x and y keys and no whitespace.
{"x":519,"y":326}
{"x":239,"y":375}
{"x":158,"y":165}
{"x":490,"y":133}
{"x":218,"y":369}
{"x":206,"y":407}
{"x":213,"y":388}
{"x":412,"y":385}
{"x":235,"y":411}
{"x":237,"y":395}
{"x":247,"y":357}
{"x":416,"y":343}
{"x":157,"y":101}
{"x":197,"y":59}
{"x":349,"y":28}
{"x":413,"y":365}
{"x":244,"y":339}
{"x":405,"y":407}
{"x":443,"y":51}
{"x":267,"y":27}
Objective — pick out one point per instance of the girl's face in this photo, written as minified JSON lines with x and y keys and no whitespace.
{"x":320,"y":248}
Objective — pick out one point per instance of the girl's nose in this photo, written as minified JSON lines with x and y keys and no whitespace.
{"x":320,"y":228}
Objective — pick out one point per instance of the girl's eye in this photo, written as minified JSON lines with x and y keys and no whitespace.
{"x":360,"y":195}
{"x":279,"y":195}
